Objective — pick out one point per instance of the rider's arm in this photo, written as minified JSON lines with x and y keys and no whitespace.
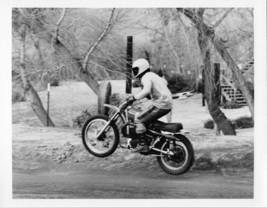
{"x":146,"y":89}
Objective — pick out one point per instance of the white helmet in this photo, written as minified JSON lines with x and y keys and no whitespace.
{"x":139,"y":67}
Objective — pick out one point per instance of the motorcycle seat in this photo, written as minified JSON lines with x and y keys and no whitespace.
{"x":170,"y":127}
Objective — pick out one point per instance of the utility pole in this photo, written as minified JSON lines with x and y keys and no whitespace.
{"x":129,"y":59}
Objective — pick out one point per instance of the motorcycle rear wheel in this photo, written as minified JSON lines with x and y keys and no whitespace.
{"x":182,"y":159}
{"x":104,"y":146}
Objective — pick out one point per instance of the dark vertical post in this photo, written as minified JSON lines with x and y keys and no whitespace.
{"x":48,"y":100}
{"x":203,"y":86}
{"x":129,"y":58}
{"x":217,"y":82}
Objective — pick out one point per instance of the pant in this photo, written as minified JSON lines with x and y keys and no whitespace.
{"x":149,"y":116}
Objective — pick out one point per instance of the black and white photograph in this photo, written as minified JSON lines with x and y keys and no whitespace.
{"x":134,"y":105}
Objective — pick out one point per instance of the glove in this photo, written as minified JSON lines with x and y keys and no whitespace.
{"x":130,"y":99}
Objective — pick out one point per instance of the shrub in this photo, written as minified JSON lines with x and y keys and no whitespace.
{"x":17,"y":97}
{"x":177,"y":83}
{"x":239,"y":123}
{"x":209,"y":124}
{"x":231,"y":105}
{"x":54,"y":81}
{"x":79,"y":120}
{"x":244,"y":122}
{"x":199,"y":87}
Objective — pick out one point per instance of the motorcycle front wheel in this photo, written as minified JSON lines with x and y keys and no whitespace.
{"x":181,"y":158}
{"x":107,"y":143}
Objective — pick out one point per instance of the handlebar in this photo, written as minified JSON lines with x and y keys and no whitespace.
{"x":124,"y":105}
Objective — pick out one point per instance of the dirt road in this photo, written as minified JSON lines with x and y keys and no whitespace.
{"x":52,"y":163}
{"x":93,"y":184}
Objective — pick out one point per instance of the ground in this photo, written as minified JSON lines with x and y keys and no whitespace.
{"x":56,"y":155}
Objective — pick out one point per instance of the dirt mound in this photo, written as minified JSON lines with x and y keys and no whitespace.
{"x":34,"y":148}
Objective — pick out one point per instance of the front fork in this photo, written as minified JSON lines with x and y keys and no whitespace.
{"x":107,"y":127}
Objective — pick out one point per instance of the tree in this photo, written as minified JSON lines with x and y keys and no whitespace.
{"x":203,"y":40}
{"x":209,"y":34}
{"x":35,"y":100}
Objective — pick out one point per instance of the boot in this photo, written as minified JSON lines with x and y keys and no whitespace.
{"x":142,"y":146}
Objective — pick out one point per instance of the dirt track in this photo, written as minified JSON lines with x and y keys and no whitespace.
{"x":52,"y":163}
{"x":92,"y":184}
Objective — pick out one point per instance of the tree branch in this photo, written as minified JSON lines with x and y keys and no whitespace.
{"x":59,"y":22}
{"x":101,"y":37}
{"x":222,"y":18}
{"x":208,"y":33}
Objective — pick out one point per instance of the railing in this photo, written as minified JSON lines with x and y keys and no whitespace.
{"x":228,"y":83}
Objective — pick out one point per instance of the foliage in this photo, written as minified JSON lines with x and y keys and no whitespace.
{"x":80,"y":119}
{"x":209,"y":124}
{"x":17,"y":96}
{"x":244,"y":122}
{"x":231,"y":105}
{"x":239,"y":123}
{"x":166,"y":38}
{"x":177,"y":83}
{"x":199,"y":87}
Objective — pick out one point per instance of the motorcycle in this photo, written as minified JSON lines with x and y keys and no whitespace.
{"x":166,"y":141}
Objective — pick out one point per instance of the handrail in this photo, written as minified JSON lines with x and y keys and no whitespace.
{"x":228,"y":82}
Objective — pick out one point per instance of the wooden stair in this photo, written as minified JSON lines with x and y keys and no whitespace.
{"x":230,"y":93}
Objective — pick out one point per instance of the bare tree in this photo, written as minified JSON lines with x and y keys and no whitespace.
{"x":35,"y":100}
{"x":203,"y":40}
{"x":219,"y":45}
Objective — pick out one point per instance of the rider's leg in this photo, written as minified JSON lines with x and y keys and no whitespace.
{"x":152,"y":114}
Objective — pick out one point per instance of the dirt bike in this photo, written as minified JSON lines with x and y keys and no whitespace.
{"x":173,"y":150}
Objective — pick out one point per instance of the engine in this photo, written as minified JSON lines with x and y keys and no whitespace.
{"x":131,"y":133}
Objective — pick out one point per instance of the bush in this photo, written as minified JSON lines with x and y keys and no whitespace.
{"x":17,"y":97}
{"x":244,"y":122}
{"x":209,"y":124}
{"x":79,"y":120}
{"x":54,"y":81}
{"x":199,"y":86}
{"x":239,"y":123}
{"x":231,"y":105}
{"x":177,"y":83}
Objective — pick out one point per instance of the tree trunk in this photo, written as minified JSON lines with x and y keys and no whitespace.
{"x":39,"y":51}
{"x":238,"y":77}
{"x":59,"y":44}
{"x":212,"y":99}
{"x":84,"y":74}
{"x":35,"y":100}
{"x":210,"y":89}
{"x":196,"y":18}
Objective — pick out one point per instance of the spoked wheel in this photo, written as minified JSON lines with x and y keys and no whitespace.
{"x":104,"y":145}
{"x":180,"y":157}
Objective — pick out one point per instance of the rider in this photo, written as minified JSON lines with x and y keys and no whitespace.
{"x":156,"y":87}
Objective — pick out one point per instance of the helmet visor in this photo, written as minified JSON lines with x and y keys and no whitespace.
{"x":135,"y":70}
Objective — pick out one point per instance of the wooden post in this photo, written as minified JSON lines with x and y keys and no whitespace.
{"x":203,"y":88}
{"x":217,"y":82}
{"x":48,"y":100}
{"x":129,"y":57}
